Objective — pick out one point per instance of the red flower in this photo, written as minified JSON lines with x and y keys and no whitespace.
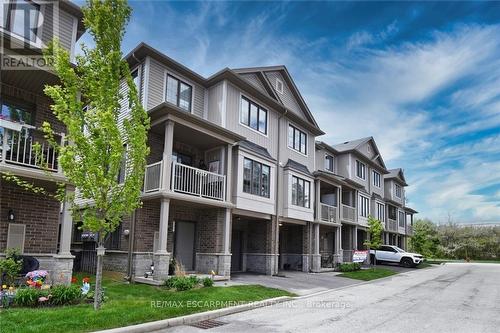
{"x":86,"y":280}
{"x":74,"y":280}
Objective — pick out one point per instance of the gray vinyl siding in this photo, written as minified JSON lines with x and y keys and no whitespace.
{"x":289,"y":153}
{"x":343,"y":165}
{"x":287,"y":97}
{"x":269,"y":141}
{"x":124,"y":109}
{"x":65,"y":33}
{"x":214,"y":112}
{"x":255,"y":81}
{"x":156,"y":90}
{"x":320,"y":160}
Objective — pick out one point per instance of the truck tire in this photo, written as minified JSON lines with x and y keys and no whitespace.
{"x":406,"y":262}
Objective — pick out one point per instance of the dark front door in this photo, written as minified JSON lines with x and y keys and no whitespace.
{"x":184,"y":244}
{"x":236,"y":251}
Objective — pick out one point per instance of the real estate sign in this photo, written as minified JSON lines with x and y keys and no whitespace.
{"x":359,"y":256}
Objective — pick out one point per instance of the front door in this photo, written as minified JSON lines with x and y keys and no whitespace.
{"x":236,"y":251}
{"x":184,"y":244}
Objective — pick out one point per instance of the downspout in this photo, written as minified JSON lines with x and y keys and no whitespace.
{"x":276,"y":249}
{"x":131,"y":241}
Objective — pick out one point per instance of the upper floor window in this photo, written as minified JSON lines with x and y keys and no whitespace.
{"x":256,"y":178}
{"x":398,"y":190}
{"x":376,"y":179}
{"x":21,"y":18}
{"x":360,"y":170}
{"x":15,"y":112}
{"x":401,"y":220}
{"x":364,"y":206}
{"x":253,"y":116}
{"x":301,"y":190}
{"x":380,"y":212}
{"x":297,"y":139}
{"x":136,"y":78}
{"x":392,"y":212}
{"x":179,"y":93}
{"x":329,"y":163}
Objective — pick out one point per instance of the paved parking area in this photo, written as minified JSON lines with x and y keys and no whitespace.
{"x":299,"y":283}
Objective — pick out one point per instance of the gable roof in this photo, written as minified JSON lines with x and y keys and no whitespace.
{"x":397,"y":173}
{"x":143,"y":50}
{"x":291,"y":164}
{"x":354,"y":145}
{"x":264,"y":72}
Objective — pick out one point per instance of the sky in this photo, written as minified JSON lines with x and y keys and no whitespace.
{"x":422,"y":78}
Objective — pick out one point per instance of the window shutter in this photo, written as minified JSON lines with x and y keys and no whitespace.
{"x":156,"y":239}
{"x":15,"y":236}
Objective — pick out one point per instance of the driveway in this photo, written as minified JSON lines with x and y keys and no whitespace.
{"x":299,"y":283}
{"x":447,"y":298}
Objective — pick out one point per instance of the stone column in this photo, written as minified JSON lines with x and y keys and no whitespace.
{"x":167,"y":155}
{"x":354,"y":238}
{"x":224,"y":261}
{"x":161,"y":257}
{"x":229,"y":169}
{"x":63,"y":260}
{"x":316,"y":256}
{"x":338,"y":242}
{"x":318,"y":200}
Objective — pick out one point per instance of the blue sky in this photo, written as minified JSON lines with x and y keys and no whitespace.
{"x":422,"y":78}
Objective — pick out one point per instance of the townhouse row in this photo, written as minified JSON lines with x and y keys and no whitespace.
{"x":236,"y":179}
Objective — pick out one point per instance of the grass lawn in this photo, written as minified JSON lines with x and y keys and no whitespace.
{"x":127,"y":304}
{"x":369,"y":274}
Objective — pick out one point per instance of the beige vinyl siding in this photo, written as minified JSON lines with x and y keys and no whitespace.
{"x":287,"y":97}
{"x":65,"y":33}
{"x":289,"y":153}
{"x":269,"y":141}
{"x":124,"y":108}
{"x":214,"y":112}
{"x":255,"y":81}
{"x":156,"y":93}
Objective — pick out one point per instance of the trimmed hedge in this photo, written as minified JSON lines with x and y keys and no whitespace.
{"x":350,"y":267}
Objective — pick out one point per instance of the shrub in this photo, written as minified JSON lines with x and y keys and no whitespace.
{"x":62,"y":295}
{"x":208,"y":282}
{"x":182,"y":283}
{"x":350,"y":267}
{"x":11,"y":266}
{"x":29,"y":296}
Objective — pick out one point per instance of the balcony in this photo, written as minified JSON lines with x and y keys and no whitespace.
{"x":186,"y":180}
{"x":328,"y":213}
{"x":391,"y":225}
{"x":349,"y":213}
{"x":409,"y":230}
{"x":18,"y":148}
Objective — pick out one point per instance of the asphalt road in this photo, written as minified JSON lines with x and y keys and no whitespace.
{"x":448,"y":298}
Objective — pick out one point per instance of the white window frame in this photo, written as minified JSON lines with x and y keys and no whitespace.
{"x":328,"y":156}
{"x":251,"y":178}
{"x":374,"y":173}
{"x":362,"y":208}
{"x":38,"y":43}
{"x":396,"y":187}
{"x":363,"y":174}
{"x":308,"y":206}
{"x":401,"y":213}
{"x":380,"y":210}
{"x":180,"y":79}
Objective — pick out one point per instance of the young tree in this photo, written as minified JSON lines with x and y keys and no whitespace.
{"x":375,"y":230}
{"x":88,"y":103}
{"x":425,"y":238}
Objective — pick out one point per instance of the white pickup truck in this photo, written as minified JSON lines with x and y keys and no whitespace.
{"x":391,"y":253}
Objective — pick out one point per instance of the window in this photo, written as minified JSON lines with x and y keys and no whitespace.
{"x":360,"y":170}
{"x":21,"y":18}
{"x":112,"y":241}
{"x":380,"y":212}
{"x":122,"y":173}
{"x":179,"y":93}
{"x":376,"y":178}
{"x":401,"y":220}
{"x":364,"y":206}
{"x":16,"y":113}
{"x":253,"y":116}
{"x":300,"y":192}
{"x":279,"y":86}
{"x":398,"y":190}
{"x":256,"y":178}
{"x":329,"y":163}
{"x":136,"y":78}
{"x":297,"y":139}
{"x":392,"y":213}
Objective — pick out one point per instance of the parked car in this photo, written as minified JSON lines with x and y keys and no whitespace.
{"x":391,"y":253}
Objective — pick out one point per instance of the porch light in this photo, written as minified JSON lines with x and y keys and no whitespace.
{"x":11,"y":217}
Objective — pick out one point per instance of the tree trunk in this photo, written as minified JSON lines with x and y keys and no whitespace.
{"x":98,"y":277}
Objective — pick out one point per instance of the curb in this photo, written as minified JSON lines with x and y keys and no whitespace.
{"x":194,"y":318}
